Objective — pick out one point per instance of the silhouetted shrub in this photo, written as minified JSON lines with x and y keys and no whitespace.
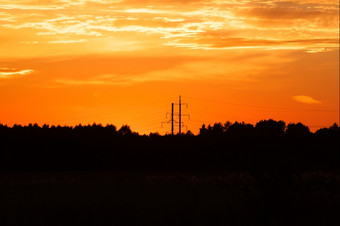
{"x":297,"y":130}
{"x":270,"y":128}
{"x":332,"y":131}
{"x":203,"y":130}
{"x":189,"y":133}
{"x":125,"y":130}
{"x":240,"y":129}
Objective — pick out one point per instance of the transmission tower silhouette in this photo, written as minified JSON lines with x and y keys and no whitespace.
{"x":179,"y":114}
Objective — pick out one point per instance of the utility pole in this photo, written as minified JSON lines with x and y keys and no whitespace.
{"x":172,"y":121}
{"x":180,"y":116}
{"x":172,"y":118}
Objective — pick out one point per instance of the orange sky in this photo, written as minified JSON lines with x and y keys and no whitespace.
{"x":125,"y":61}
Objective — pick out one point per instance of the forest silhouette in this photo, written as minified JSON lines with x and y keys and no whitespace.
{"x":267,"y":145}
{"x":229,"y":174}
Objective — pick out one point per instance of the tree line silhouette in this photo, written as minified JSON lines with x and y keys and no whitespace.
{"x":268,"y":144}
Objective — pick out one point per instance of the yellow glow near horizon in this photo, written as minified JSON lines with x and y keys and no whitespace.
{"x":84,"y":61}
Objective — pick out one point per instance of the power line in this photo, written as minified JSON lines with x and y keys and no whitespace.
{"x":259,"y":106}
{"x":120,"y":111}
{"x":214,"y":114}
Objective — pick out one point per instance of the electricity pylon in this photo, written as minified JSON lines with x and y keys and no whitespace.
{"x":179,"y":114}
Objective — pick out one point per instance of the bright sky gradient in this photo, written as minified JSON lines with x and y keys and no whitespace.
{"x":125,"y":61}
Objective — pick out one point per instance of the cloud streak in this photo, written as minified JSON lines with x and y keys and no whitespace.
{"x":306,"y":99}
{"x":6,"y":73}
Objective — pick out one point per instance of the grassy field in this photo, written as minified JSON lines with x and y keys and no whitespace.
{"x":169,"y":198}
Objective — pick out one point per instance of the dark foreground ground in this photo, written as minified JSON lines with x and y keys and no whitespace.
{"x":169,"y":198}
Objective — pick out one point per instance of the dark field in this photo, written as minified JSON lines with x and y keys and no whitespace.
{"x":170,"y":198}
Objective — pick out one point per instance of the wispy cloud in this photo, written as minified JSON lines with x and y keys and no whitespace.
{"x":308,"y":24}
{"x":67,"y":41}
{"x":112,"y":72}
{"x":10,"y":73}
{"x":306,"y":99}
{"x":30,"y":7}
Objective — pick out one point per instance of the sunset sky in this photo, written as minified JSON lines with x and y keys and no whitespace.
{"x":125,"y":61}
